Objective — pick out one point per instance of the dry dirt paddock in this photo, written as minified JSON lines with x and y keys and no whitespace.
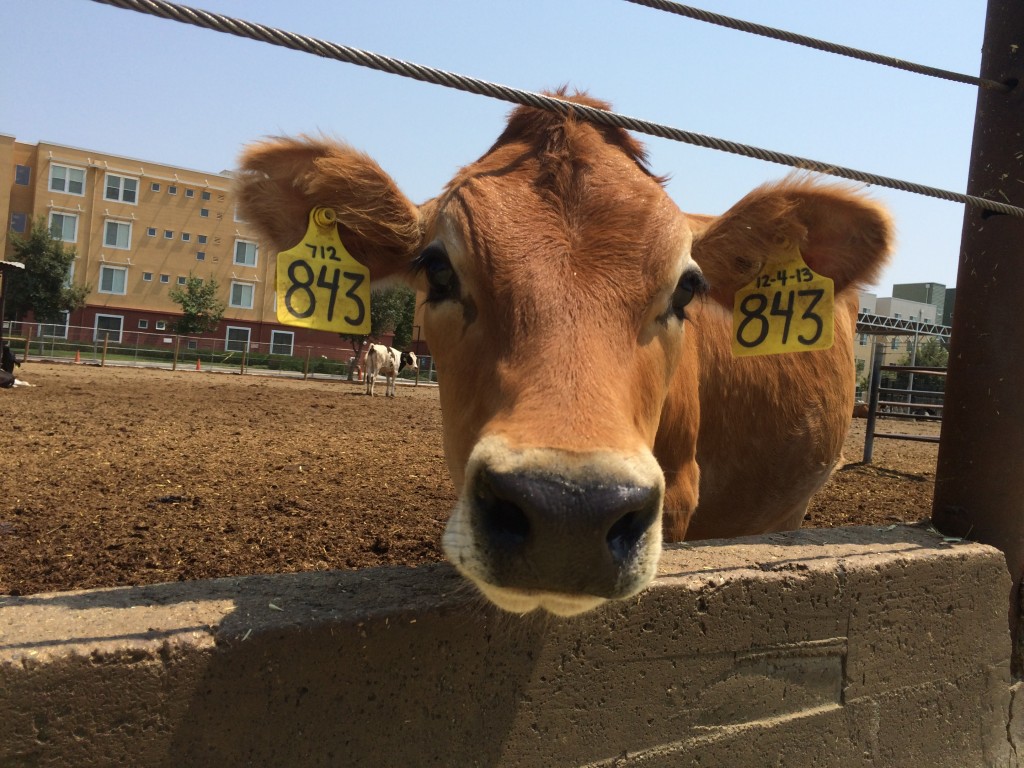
{"x":124,"y":476}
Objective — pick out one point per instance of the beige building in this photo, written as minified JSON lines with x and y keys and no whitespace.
{"x":896,"y":348}
{"x":139,"y":229}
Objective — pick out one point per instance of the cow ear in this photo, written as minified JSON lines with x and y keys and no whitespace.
{"x":281,"y":180}
{"x":840,"y":233}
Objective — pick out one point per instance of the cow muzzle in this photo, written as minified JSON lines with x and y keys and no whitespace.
{"x":558,"y":530}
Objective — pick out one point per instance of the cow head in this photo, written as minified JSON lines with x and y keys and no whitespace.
{"x":408,"y":360}
{"x":558,"y":277}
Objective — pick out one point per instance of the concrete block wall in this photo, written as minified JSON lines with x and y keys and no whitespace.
{"x":848,"y":647}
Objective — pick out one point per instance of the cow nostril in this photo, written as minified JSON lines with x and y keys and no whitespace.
{"x":626,"y":533}
{"x":504,"y":521}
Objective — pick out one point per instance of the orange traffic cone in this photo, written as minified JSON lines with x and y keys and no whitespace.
{"x":198,"y":366}
{"x":78,"y":356}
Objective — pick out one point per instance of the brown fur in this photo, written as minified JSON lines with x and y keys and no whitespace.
{"x":567,"y":249}
{"x":283,"y":179}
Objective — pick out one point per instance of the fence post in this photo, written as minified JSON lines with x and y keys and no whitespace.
{"x":873,"y":390}
{"x":305,"y":369}
{"x":177,"y":344}
{"x":979,"y":478}
{"x":106,"y":341}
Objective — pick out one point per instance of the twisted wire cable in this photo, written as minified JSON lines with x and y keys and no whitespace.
{"x":253,"y":31}
{"x":821,"y":45}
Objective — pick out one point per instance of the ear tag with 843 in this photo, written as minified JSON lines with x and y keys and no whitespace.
{"x":320,"y":285}
{"x":787,"y":308}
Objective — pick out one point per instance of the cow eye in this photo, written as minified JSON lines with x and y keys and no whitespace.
{"x":690,"y":285}
{"x":437,"y":267}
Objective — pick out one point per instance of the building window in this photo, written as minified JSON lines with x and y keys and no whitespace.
{"x":161,"y":325}
{"x":895,"y":342}
{"x":64,"y":178}
{"x":109,"y":327}
{"x":282,"y":342}
{"x":863,"y":339}
{"x":121,"y":189}
{"x":200,"y":255}
{"x":147,"y":277}
{"x":117,"y":234}
{"x":64,"y":226}
{"x":151,"y":231}
{"x":201,"y":239}
{"x":154,"y":187}
{"x":19,"y":222}
{"x":241,"y":295}
{"x":22,"y":175}
{"x":206,"y":194}
{"x":113,"y":279}
{"x":204,"y":212}
{"x":245,"y":253}
{"x":143,"y":325}
{"x":165,"y":278}
{"x":237,"y":339}
{"x":168,"y":234}
{"x":190,"y":193}
{"x":172,"y":189}
{"x":181,"y":280}
{"x":185,"y":237}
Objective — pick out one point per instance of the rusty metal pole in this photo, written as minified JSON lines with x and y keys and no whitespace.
{"x":979,"y":479}
{"x":873,"y":398}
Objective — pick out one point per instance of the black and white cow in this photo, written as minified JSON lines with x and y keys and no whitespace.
{"x":7,"y":363}
{"x":387,"y":362}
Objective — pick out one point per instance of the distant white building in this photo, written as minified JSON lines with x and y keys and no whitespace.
{"x":896,"y":347}
{"x":905,"y":309}
{"x":868,"y":302}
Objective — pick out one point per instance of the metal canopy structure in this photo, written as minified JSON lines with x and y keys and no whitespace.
{"x":879,"y":325}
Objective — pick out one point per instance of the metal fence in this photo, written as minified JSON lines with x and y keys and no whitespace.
{"x":177,"y":352}
{"x":906,"y":403}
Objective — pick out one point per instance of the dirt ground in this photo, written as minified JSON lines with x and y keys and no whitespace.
{"x":125,"y":476}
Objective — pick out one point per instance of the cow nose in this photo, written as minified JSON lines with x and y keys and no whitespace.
{"x":544,"y":532}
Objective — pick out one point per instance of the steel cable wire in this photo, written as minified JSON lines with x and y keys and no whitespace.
{"x":251,"y":30}
{"x":821,"y":45}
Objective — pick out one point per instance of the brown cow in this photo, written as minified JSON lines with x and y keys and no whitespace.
{"x":580,"y":324}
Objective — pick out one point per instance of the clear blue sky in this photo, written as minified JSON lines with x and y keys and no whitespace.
{"x":92,"y":76}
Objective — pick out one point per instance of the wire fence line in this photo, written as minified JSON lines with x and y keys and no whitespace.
{"x":821,"y":45}
{"x":88,"y":345}
{"x":347,"y":54}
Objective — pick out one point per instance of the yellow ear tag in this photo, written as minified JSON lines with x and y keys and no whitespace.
{"x":787,"y":308}
{"x":320,"y":285}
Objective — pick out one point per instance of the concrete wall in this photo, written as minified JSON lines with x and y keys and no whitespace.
{"x":851,"y":647}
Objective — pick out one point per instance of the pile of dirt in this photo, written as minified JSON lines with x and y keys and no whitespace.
{"x":126,"y":476}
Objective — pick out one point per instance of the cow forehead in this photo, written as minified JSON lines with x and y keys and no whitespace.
{"x":609,"y":223}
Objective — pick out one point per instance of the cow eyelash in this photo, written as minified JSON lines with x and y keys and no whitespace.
{"x":442,"y":282}
{"x":690,"y":286}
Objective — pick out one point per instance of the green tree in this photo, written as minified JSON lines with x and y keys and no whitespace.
{"x":201,"y":310}
{"x":44,"y":287}
{"x":931,"y":353}
{"x":403,"y":330}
